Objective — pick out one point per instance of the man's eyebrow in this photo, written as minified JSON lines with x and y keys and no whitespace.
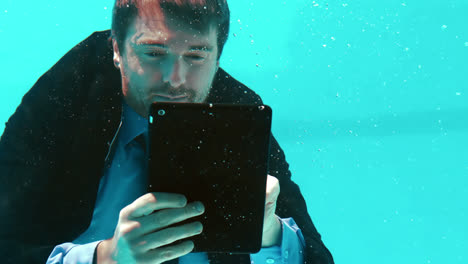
{"x":150,"y":43}
{"x":140,"y":41}
{"x":203,"y":47}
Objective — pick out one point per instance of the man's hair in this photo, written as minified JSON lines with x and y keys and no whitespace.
{"x":200,"y":14}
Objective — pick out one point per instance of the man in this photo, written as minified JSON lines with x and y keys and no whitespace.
{"x":72,"y":163}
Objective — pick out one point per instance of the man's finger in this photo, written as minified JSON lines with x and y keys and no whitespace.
{"x":150,"y":202}
{"x":167,"y":217}
{"x":272,"y":189}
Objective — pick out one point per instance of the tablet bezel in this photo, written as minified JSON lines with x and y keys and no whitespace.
{"x":169,"y":123}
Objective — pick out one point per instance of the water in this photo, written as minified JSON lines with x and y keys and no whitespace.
{"x":369,"y":102}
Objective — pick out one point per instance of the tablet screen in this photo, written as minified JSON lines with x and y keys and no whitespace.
{"x":217,"y":154}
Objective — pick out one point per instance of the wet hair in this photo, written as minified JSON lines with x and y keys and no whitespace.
{"x":199,"y":14}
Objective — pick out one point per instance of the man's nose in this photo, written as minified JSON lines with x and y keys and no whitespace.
{"x":175,"y":72}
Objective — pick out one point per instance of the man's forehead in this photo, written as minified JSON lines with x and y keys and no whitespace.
{"x":176,"y":21}
{"x":145,"y":28}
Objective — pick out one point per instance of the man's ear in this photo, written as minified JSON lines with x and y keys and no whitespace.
{"x":116,"y":54}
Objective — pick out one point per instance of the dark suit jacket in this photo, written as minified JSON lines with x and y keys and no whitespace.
{"x":53,"y":149}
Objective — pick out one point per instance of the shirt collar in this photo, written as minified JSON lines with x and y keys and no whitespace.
{"x":132,"y":124}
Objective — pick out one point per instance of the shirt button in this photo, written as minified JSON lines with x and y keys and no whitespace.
{"x":270,"y":261}
{"x":286,"y":254}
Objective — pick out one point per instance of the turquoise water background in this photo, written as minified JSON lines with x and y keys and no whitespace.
{"x":370,"y":104}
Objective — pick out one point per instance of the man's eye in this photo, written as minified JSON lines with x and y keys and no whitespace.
{"x":195,"y":57}
{"x":155,"y":54}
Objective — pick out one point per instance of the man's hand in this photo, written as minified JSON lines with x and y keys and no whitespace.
{"x":142,"y":236}
{"x":271,"y":224}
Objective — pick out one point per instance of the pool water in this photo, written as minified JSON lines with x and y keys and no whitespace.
{"x":369,"y":98}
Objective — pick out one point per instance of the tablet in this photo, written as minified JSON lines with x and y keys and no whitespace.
{"x":217,"y":154}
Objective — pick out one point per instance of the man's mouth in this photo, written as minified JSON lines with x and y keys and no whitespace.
{"x":167,"y":97}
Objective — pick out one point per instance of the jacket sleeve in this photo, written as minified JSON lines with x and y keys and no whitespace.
{"x":27,"y":163}
{"x":32,"y":176}
{"x":291,"y":203}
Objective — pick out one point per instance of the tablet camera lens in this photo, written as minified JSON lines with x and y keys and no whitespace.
{"x":261,"y":107}
{"x":161,"y":112}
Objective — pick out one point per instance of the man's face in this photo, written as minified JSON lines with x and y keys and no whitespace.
{"x":166,"y":61}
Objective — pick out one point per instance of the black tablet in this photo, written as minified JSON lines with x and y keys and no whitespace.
{"x":217,"y":154}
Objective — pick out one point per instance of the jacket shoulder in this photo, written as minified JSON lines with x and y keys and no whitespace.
{"x":226,"y":89}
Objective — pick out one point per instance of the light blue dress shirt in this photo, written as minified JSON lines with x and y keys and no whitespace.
{"x":123,"y":182}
